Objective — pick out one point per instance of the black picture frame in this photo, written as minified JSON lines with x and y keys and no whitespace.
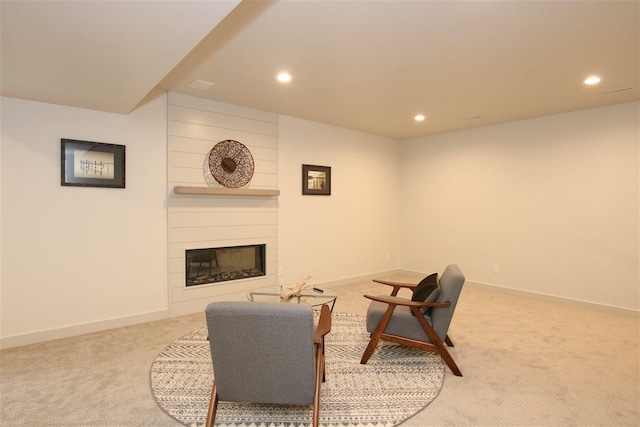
{"x":316,"y":180}
{"x":92,"y":164}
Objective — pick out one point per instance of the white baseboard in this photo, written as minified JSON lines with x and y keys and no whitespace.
{"x":356,"y":279}
{"x":53,"y":334}
{"x":69,"y":331}
{"x":620,"y":311}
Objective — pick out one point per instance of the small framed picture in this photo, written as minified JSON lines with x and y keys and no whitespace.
{"x":92,"y":164}
{"x":316,"y":180}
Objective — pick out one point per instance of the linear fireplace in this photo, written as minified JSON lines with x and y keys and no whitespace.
{"x":212,"y":265}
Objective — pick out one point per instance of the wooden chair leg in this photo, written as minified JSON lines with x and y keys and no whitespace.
{"x":324,"y":363}
{"x":213,"y":405}
{"x":435,"y":340}
{"x":375,"y":337}
{"x":448,"y":341}
{"x":319,"y":374}
{"x":373,"y":342}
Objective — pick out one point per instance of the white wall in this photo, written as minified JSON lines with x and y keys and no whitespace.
{"x":553,"y":201}
{"x":80,"y":259}
{"x":347,"y":234}
{"x":1,"y":258}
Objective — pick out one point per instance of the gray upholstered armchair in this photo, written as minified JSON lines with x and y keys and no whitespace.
{"x":266,"y":353}
{"x":420,"y":324}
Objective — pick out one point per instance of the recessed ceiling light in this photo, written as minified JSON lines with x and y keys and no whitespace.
{"x":419,"y":118}
{"x":284,"y":77}
{"x":592,"y":80}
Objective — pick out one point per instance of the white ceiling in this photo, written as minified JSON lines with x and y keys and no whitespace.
{"x":365,"y":65}
{"x":102,"y":55}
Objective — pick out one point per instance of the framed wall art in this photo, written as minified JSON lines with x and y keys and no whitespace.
{"x":92,"y":164}
{"x":316,"y":180}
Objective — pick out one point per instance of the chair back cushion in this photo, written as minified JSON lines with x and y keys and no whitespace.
{"x":262,"y":352}
{"x":451,"y":283}
{"x":427,"y":289}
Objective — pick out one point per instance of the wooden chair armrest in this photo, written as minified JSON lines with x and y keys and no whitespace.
{"x":324,"y":324}
{"x":407,"y":302}
{"x":396,"y":284}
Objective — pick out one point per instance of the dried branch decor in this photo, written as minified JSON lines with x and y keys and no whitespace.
{"x":295,"y":290}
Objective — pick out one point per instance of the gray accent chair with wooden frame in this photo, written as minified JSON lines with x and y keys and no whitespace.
{"x":418,"y":324}
{"x":266,"y":353}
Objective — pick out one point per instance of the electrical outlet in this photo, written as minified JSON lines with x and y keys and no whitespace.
{"x":388,"y":257}
{"x":496,"y":269}
{"x":280,"y":272}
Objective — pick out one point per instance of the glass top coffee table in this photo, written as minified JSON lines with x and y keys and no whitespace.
{"x":313,"y":297}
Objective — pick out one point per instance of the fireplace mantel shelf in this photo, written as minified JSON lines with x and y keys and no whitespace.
{"x":219,"y":191}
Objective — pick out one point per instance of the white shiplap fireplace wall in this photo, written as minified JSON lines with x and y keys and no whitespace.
{"x":195,"y":125}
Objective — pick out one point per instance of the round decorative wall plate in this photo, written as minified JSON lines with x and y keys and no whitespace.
{"x":231,"y":164}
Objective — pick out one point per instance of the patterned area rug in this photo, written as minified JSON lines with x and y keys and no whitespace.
{"x":396,"y":383}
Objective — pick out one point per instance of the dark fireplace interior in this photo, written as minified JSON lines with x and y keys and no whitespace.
{"x":223,"y":264}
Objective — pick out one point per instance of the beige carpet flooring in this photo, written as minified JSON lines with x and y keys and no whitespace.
{"x":525,"y":363}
